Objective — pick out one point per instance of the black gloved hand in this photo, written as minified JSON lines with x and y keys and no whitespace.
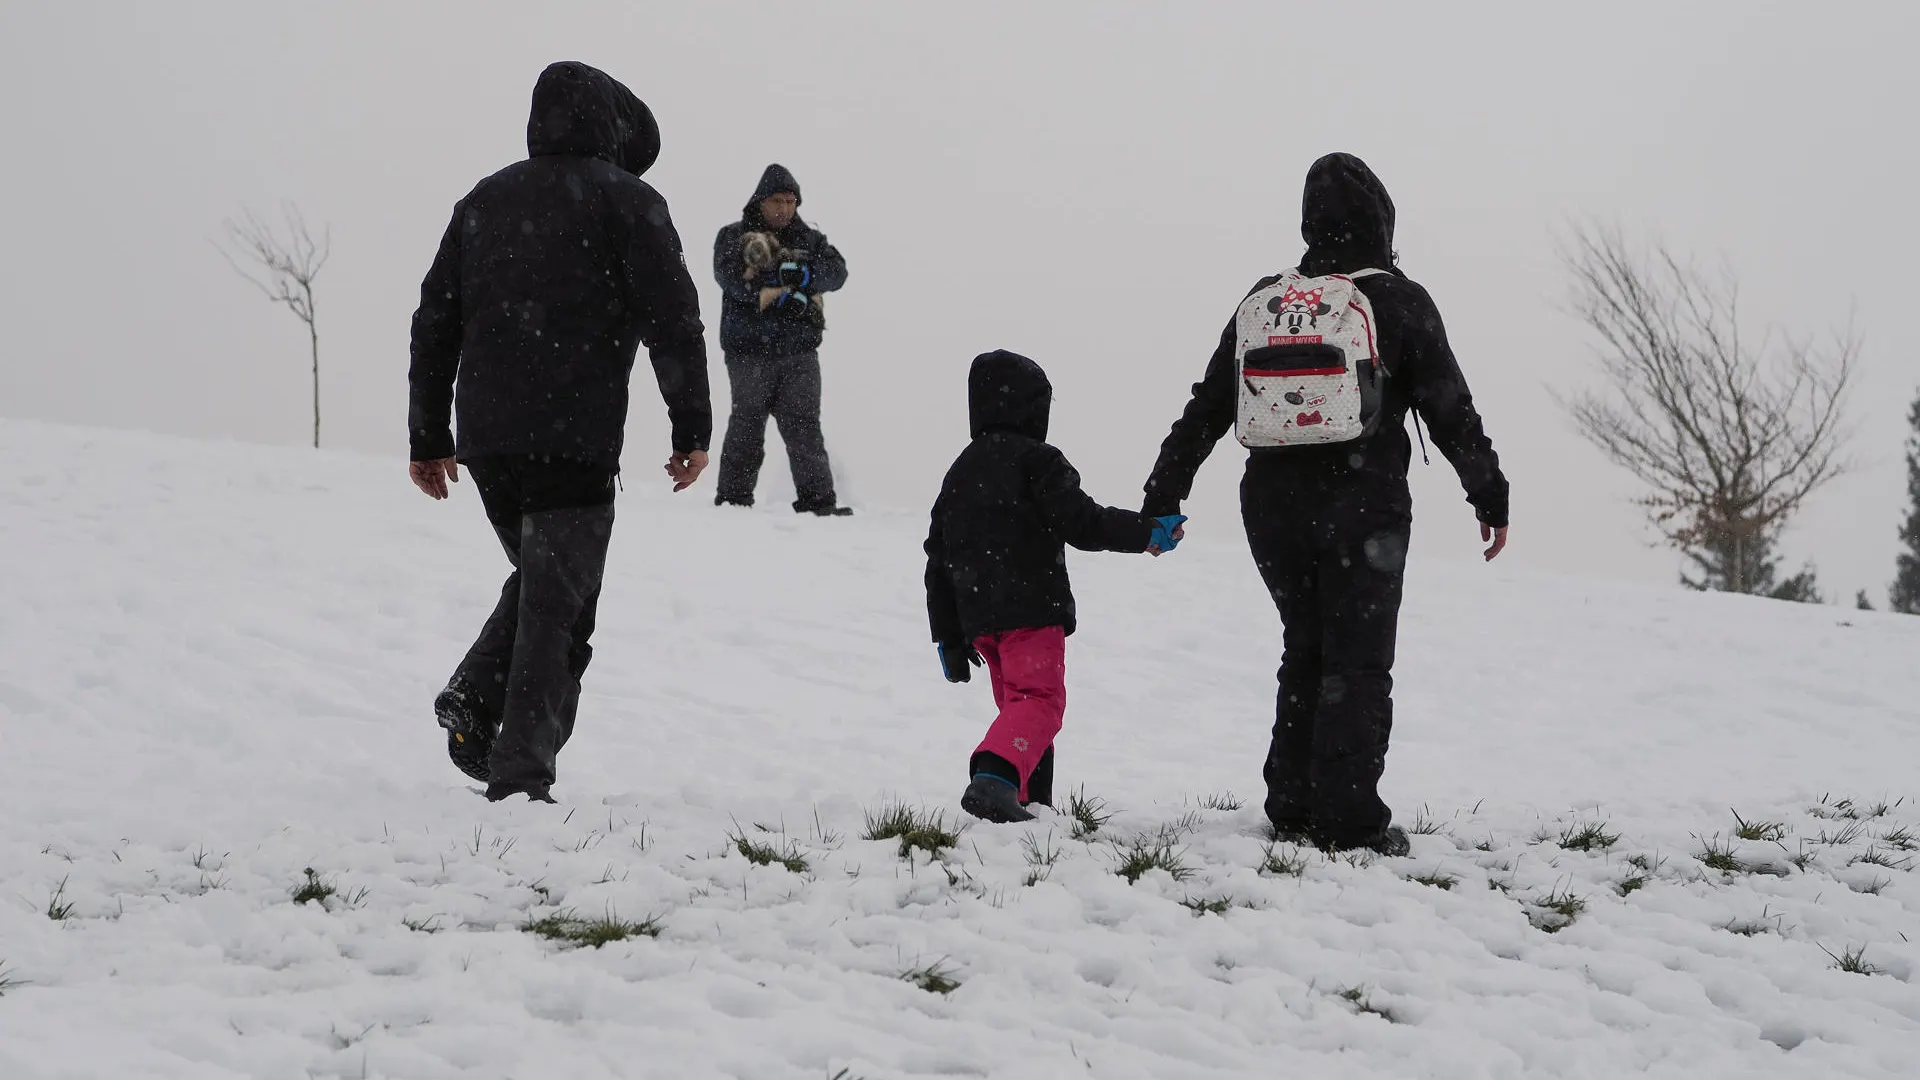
{"x":954,"y":661}
{"x":796,"y":274}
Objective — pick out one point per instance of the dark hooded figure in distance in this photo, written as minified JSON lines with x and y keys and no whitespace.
{"x":774,"y":271}
{"x":1329,"y":524}
{"x":551,"y":275}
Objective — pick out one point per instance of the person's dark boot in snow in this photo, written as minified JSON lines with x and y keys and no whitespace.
{"x":993,"y":798}
{"x":823,"y":510}
{"x":498,"y":792}
{"x":469,"y":738}
{"x":1392,"y":842}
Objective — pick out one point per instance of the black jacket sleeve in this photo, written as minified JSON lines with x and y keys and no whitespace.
{"x":1439,"y":392}
{"x":1073,"y":515}
{"x":676,"y":342}
{"x":730,"y":265}
{"x":829,"y":266}
{"x":1208,"y":416}
{"x":437,"y":329}
{"x":943,"y":609}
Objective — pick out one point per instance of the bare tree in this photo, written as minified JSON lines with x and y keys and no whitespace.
{"x":283,"y":269}
{"x":1730,"y":434}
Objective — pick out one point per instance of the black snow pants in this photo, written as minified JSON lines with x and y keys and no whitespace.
{"x":554,"y":517}
{"x":1334,"y":563}
{"x":788,"y":389}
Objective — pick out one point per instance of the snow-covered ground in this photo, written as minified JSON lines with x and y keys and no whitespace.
{"x":216,"y":663}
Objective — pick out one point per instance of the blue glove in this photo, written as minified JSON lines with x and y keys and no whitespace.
{"x":796,"y":275}
{"x":1163,"y":527}
{"x":954,"y":659}
{"x":792,"y":303}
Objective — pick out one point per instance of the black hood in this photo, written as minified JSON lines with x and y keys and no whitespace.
{"x":1346,"y":218}
{"x":581,"y":111}
{"x":773,"y":181}
{"x":1008,"y":392}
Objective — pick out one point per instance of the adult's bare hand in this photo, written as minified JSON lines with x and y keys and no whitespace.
{"x":1498,"y":537}
{"x":431,"y":477}
{"x":686,"y":468}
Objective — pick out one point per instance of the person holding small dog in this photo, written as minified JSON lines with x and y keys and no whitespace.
{"x":774,"y":269}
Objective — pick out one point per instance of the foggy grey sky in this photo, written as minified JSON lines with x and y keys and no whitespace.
{"x":1095,"y":185}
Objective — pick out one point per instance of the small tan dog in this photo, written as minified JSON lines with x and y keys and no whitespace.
{"x":762,"y":254}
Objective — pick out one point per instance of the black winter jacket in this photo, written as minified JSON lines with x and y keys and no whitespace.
{"x":996,"y":555}
{"x":1347,"y":221}
{"x":745,"y":330}
{"x":551,"y":274}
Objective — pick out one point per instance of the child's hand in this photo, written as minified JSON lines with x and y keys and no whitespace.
{"x":1167,"y":533}
{"x":954,"y":659}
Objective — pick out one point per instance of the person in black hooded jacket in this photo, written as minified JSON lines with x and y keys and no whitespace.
{"x":1329,"y":525}
{"x":771,"y":327}
{"x":997,"y":589}
{"x":551,"y":274}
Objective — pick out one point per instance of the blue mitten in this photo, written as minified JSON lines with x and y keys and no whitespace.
{"x":1163,"y":528}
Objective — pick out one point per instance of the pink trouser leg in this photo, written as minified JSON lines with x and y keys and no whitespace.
{"x":1029,"y":670}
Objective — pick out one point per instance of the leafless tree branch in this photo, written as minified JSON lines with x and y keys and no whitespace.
{"x":1731,"y":435}
{"x":283,"y":268}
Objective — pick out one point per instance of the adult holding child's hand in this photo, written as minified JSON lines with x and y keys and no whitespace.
{"x":1316,"y":373}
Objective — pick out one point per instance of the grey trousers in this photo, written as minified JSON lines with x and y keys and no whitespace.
{"x":786,"y":388}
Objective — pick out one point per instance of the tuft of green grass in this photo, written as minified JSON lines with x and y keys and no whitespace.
{"x":1718,"y":854}
{"x":917,"y":830}
{"x":1154,"y":851}
{"x":1875,"y":887}
{"x":569,"y":928}
{"x":7,"y":980}
{"x":314,"y":890}
{"x":1771,"y":832}
{"x":1089,"y":812}
{"x":1901,"y":839}
{"x":1593,"y":835}
{"x":59,"y":909}
{"x":1557,"y":910}
{"x":1290,"y":864}
{"x":1852,"y":961}
{"x":1876,"y":857}
{"x":1362,"y":1001}
{"x":1853,"y":830}
{"x":763,"y":853}
{"x":1835,"y":808}
{"x":1425,"y":825}
{"x":428,"y":925}
{"x":934,"y":978}
{"x":845,"y":1074}
{"x":1633,"y":883}
{"x":1767,"y":923}
{"x":1439,"y":880}
{"x":1225,"y":802}
{"x":1216,"y":906}
{"x":1040,"y":856}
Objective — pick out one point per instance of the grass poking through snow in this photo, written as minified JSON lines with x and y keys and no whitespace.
{"x":764,"y":853}
{"x":1557,"y":910}
{"x":314,"y":890}
{"x":59,"y":908}
{"x":917,"y":830}
{"x":1442,"y":881}
{"x":1089,"y":812}
{"x":934,"y":978}
{"x":1216,"y":906}
{"x":1771,"y":832}
{"x":1289,"y":864}
{"x":1153,"y":851}
{"x":571,"y":929}
{"x":1852,"y":961}
{"x":1593,"y":836}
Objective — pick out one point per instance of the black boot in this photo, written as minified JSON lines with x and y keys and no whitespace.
{"x":823,"y":509}
{"x":991,"y":798}
{"x":469,"y":738}
{"x":1040,"y":784}
{"x":497,"y":792}
{"x":1391,"y":841}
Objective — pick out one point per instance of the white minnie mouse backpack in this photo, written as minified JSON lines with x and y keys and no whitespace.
{"x":1308,"y":361}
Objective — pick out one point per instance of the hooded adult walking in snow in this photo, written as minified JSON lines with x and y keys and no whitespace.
{"x":1327,"y":509}
{"x":774,"y":269}
{"x":552,"y":273}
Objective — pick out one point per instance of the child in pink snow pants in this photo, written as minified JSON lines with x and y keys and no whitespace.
{"x":997,"y":588}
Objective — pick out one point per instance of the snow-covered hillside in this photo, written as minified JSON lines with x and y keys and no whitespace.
{"x":216,"y":664}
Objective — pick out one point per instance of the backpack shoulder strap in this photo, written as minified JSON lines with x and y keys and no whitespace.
{"x":1366,"y":273}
